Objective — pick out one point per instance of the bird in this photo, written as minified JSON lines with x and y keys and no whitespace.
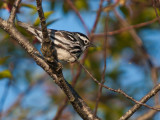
{"x":69,"y":46}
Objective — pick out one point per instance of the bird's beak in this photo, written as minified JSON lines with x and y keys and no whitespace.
{"x":91,"y":45}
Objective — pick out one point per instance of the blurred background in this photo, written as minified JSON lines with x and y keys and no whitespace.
{"x":131,"y":56}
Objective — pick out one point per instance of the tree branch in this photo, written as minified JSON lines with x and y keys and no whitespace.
{"x":43,"y":21}
{"x":97,"y":17}
{"x":64,"y":104}
{"x":148,"y":115}
{"x":13,"y":11}
{"x":156,"y":3}
{"x":126,"y":28}
{"x":143,"y":100}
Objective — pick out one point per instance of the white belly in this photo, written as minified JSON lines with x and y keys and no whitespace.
{"x":64,"y":55}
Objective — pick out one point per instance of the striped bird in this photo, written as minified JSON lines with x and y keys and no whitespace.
{"x":68,"y":45}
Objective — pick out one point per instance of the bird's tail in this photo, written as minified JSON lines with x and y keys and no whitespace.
{"x":35,"y":31}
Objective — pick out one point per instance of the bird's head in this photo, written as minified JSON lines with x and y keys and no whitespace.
{"x":84,"y":41}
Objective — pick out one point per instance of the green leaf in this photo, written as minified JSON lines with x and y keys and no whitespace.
{"x":3,"y":60}
{"x":29,"y":6}
{"x":46,"y":15}
{"x":5,"y":74}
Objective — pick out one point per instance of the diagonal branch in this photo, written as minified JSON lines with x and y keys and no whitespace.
{"x":60,"y":109}
{"x":64,"y":104}
{"x":13,"y":11}
{"x":148,"y":115}
{"x":143,"y":100}
{"x":97,"y":17}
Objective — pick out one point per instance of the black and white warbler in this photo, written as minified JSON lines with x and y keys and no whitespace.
{"x":68,"y":45}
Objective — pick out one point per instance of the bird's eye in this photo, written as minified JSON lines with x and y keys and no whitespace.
{"x":86,"y":42}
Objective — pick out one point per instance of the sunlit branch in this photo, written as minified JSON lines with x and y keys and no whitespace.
{"x":64,"y":104}
{"x":14,"y":11}
{"x":143,"y":100}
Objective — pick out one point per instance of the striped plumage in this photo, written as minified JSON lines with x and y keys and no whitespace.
{"x":68,"y":45}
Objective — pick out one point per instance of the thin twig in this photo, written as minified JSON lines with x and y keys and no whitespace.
{"x":154,"y":6}
{"x":14,"y":11}
{"x":78,"y":14}
{"x":97,"y":17}
{"x":148,"y":115}
{"x":60,"y":109}
{"x":143,"y":100}
{"x":92,"y":31}
{"x":117,"y":90}
{"x":125,"y":28}
{"x":104,"y":69}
